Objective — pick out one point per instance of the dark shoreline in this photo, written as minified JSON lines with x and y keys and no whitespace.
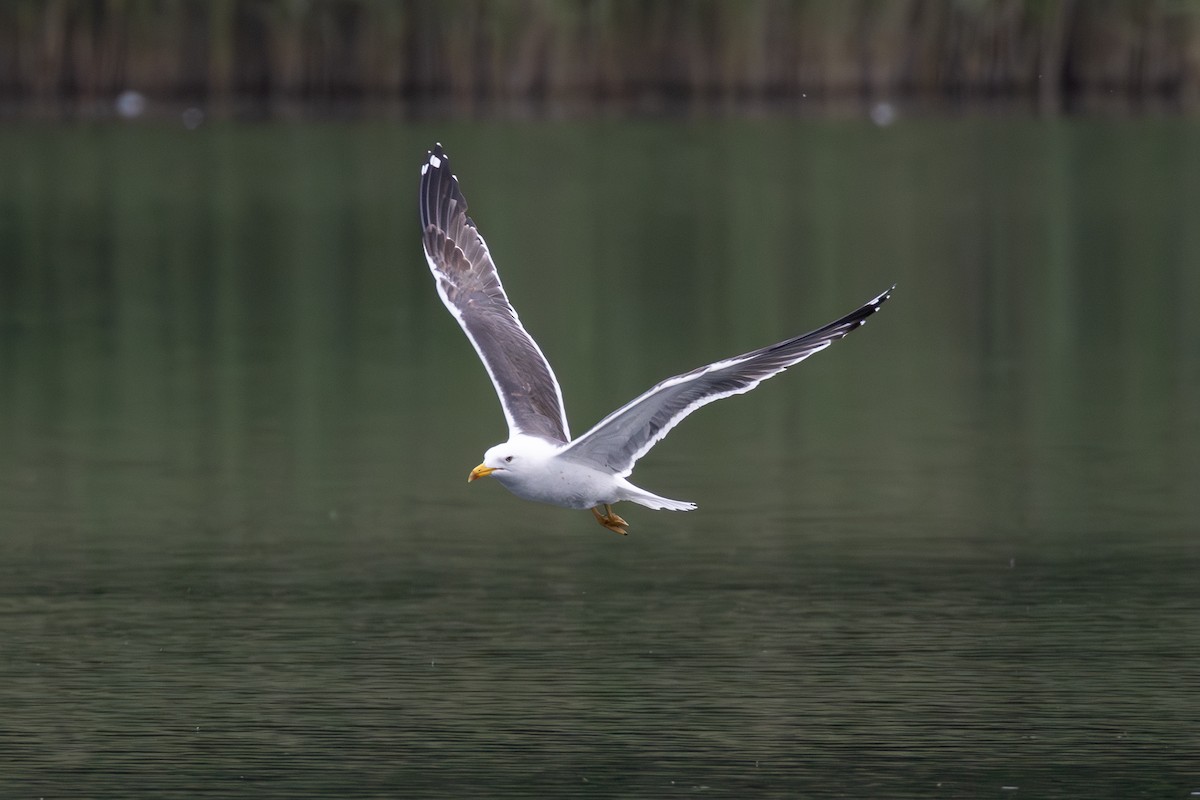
{"x":880,"y":112}
{"x":644,"y":57}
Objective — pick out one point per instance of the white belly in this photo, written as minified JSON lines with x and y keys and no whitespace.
{"x":563,"y":483}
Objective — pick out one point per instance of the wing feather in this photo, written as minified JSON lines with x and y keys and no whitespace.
{"x":627,"y":434}
{"x":470,"y":287}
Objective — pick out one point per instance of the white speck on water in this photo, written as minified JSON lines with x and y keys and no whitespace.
{"x":130,"y":104}
{"x":1008,"y":788}
{"x":883,"y":114}
{"x":192,"y":118}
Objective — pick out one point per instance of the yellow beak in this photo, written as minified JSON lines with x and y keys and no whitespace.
{"x":482,"y":471}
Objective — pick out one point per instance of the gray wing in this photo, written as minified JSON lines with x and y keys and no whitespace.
{"x":471,"y":289}
{"x":627,"y":434}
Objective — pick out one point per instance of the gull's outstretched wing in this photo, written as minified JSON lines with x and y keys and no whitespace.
{"x":627,"y":434}
{"x":471,"y":289}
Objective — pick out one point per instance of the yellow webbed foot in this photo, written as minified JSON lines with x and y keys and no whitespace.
{"x":613,"y":516}
{"x":611,"y":520}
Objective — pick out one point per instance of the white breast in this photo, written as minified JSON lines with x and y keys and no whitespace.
{"x":561,"y":482}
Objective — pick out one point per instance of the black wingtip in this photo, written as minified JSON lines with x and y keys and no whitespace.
{"x":440,"y":191}
{"x":854,"y":320}
{"x":873,"y":305}
{"x":435,"y":158}
{"x":859,"y":318}
{"x":437,"y":187}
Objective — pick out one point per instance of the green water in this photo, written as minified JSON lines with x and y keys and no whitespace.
{"x":955,"y":554}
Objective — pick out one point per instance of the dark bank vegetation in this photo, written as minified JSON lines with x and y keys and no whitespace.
{"x":464,"y":51}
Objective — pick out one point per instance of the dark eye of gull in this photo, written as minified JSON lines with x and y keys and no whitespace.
{"x":508,"y":459}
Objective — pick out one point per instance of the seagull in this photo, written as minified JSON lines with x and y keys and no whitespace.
{"x":540,"y":461}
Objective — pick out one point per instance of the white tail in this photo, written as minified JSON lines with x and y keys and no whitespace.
{"x":640,"y":496}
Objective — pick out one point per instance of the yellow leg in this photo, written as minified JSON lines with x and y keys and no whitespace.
{"x":610,"y":520}
{"x":613,"y":516}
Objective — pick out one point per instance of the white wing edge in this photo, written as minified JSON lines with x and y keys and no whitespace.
{"x":684,"y":412}
{"x":513,"y":429}
{"x":691,"y":407}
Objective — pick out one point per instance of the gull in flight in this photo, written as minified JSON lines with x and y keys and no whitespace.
{"x":540,"y":461}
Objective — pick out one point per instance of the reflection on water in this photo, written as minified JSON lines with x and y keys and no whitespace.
{"x":955,"y":553}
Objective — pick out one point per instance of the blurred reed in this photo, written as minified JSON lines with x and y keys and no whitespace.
{"x":466,"y":51}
